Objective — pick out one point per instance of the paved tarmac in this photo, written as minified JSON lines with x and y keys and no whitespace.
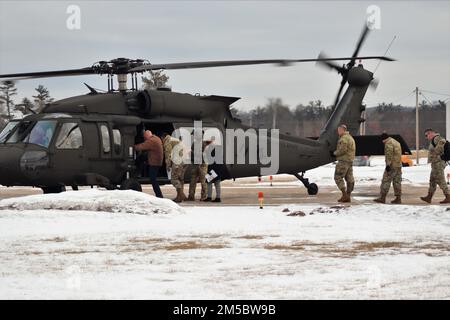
{"x":235,"y":193}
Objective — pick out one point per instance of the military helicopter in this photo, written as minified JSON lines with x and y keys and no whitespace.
{"x":88,"y":140}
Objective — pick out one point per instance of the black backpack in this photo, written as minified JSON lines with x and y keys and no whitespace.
{"x":446,"y":155}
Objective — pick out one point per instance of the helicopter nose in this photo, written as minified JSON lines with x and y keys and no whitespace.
{"x":10,"y":165}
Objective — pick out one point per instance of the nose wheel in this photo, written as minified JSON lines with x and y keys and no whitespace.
{"x":312,"y":188}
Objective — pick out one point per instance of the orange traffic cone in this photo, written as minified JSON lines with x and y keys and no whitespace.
{"x":261,"y":199}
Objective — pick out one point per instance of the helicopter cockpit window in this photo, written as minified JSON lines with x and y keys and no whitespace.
{"x":106,"y":141}
{"x":19,"y":132}
{"x":7,"y":130}
{"x":42,"y":133}
{"x":69,"y":137}
{"x":117,"y":138}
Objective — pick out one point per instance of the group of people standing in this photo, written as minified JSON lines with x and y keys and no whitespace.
{"x":166,"y":148}
{"x":345,"y":154}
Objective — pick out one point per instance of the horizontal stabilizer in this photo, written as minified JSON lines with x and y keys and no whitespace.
{"x":227,"y":100}
{"x":373,"y":146}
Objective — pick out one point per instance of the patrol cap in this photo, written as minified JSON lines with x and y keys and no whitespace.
{"x":384,"y":136}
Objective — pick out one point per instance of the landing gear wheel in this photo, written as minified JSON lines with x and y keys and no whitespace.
{"x":312,"y":189}
{"x":55,"y":189}
{"x":131,"y":184}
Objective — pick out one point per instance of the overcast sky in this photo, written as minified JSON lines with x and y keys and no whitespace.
{"x":34,"y":37}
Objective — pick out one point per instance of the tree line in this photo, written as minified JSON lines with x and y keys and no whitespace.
{"x":11,"y":110}
{"x":307,"y":120}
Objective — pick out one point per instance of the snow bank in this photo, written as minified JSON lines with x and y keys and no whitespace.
{"x":117,"y":201}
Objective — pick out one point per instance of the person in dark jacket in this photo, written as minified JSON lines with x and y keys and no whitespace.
{"x":214,"y":176}
{"x":153,"y":145}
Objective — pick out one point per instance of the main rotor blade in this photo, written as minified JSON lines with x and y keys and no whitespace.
{"x":211,"y":64}
{"x":329,"y":64}
{"x":361,"y":40}
{"x":338,"y":96}
{"x":48,"y":74}
{"x":172,"y":66}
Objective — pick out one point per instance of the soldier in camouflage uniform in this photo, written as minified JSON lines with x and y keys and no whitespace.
{"x":345,"y":154}
{"x":198,"y":173}
{"x":437,"y":176}
{"x":393,"y":172}
{"x":173,"y":148}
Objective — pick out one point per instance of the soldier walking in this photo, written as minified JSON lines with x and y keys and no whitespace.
{"x":198,"y":171}
{"x":393,"y":171}
{"x":173,"y":153}
{"x":437,"y":176}
{"x":345,"y":154}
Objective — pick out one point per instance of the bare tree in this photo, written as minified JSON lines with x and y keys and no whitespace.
{"x":7,"y":91}
{"x":156,"y":80}
{"x":42,"y":98}
{"x":25,"y":107}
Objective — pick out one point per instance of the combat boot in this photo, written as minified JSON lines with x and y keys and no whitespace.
{"x":427,"y":198}
{"x":342,"y":197}
{"x":183,"y":196}
{"x":346,"y":198}
{"x":178,"y":198}
{"x":446,"y":200}
{"x":397,"y":200}
{"x":190,"y":198}
{"x":380,"y":199}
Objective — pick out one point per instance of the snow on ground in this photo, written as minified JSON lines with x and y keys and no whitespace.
{"x":98,"y":244}
{"x":368,"y":251}
{"x":364,"y":175}
{"x":94,"y":200}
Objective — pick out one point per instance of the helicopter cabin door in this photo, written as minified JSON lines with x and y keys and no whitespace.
{"x":68,"y":151}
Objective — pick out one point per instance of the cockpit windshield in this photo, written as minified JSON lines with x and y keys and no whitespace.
{"x":7,"y":130}
{"x":18,"y":132}
{"x":42,"y":133}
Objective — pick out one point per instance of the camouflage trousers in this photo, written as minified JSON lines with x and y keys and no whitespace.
{"x":437,"y":177}
{"x":394,"y":176}
{"x":198,"y":173}
{"x":177,"y":175}
{"x":344,"y":170}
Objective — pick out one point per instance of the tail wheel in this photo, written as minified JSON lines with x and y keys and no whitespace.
{"x":131,"y":184}
{"x":313,"y":189}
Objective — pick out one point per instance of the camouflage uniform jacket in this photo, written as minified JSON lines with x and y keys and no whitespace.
{"x":436,"y":149}
{"x":169,"y":143}
{"x":200,"y":160}
{"x":346,"y":148}
{"x":393,"y":153}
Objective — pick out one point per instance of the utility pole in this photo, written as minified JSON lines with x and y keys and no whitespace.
{"x":362,"y":126}
{"x":8,"y":102}
{"x":274,"y":118}
{"x":417,"y":126}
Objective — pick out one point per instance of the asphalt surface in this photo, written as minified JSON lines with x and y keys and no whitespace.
{"x":281,"y":192}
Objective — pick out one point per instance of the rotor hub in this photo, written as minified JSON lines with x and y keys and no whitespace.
{"x":360,"y":77}
{"x":118,"y":66}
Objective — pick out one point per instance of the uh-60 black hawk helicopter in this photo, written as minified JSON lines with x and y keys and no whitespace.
{"x":88,"y":140}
